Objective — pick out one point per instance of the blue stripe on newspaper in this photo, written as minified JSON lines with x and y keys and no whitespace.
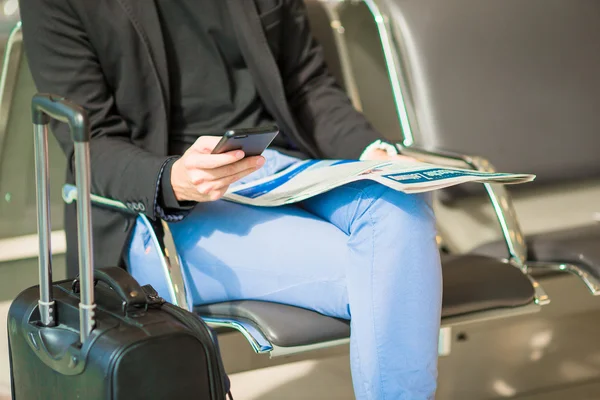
{"x":266,"y":187}
{"x":436,"y":174}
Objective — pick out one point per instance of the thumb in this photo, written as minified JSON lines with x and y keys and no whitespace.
{"x":206,"y":144}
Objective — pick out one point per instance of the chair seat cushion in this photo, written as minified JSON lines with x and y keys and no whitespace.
{"x":472,"y":284}
{"x":579,"y":246}
{"x":282,"y":325}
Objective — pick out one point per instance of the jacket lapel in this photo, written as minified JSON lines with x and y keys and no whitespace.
{"x":144,"y":17}
{"x":263,"y":68}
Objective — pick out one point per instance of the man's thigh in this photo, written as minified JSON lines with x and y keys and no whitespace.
{"x":282,"y":254}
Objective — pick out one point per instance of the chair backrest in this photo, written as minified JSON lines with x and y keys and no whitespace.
{"x":513,"y":81}
{"x":354,"y":55}
{"x":17,"y":167}
{"x":323,"y":28}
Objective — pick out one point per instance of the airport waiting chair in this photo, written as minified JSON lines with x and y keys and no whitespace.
{"x":522,"y":93}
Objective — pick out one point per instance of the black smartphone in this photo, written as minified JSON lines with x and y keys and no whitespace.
{"x":252,"y":141}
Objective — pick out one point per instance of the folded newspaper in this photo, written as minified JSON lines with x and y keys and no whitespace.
{"x":312,"y":177}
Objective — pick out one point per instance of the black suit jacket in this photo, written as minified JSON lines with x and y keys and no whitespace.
{"x":109,"y":57}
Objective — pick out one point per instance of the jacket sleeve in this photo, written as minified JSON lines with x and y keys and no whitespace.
{"x":63,"y":62}
{"x":319,"y":104}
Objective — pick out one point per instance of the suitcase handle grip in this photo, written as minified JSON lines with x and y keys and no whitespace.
{"x":124,"y":285}
{"x":47,"y":106}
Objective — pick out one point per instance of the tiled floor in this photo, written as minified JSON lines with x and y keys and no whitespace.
{"x":315,"y":380}
{"x":323,"y":379}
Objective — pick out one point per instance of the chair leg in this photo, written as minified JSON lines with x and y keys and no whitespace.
{"x":170,"y":262}
{"x":540,"y":297}
{"x":445,"y":341}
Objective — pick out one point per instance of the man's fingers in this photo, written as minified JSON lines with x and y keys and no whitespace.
{"x":231,"y":179}
{"x":210,"y":175}
{"x":205,"y":144}
{"x":196,"y":160}
{"x":205,"y":194}
{"x":222,"y":167}
{"x":221,"y":185}
{"x":199,"y":176}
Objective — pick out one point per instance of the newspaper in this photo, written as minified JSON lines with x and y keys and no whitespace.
{"x":312,"y":177}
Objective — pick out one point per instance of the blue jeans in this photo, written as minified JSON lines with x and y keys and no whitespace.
{"x":361,"y":252}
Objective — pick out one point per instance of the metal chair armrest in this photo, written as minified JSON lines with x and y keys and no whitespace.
{"x":69,"y":195}
{"x":171,"y":262}
{"x":497,"y":193}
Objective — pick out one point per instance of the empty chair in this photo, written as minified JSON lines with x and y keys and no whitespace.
{"x":515,"y":83}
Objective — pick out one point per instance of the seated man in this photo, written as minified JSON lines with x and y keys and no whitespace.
{"x":157,"y":79}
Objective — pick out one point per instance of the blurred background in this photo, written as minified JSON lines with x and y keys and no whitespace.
{"x":512,"y":84}
{"x":9,"y":15}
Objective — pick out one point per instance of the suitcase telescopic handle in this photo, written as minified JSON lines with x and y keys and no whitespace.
{"x":46,"y":107}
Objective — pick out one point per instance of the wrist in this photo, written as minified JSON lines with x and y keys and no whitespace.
{"x":176,"y":173}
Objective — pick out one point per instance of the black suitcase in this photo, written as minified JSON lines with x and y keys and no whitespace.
{"x":101,"y":336}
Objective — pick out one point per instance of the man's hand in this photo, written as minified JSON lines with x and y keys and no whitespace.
{"x":201,"y":176}
{"x":378,"y":154}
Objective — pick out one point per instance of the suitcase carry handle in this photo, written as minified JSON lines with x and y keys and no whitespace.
{"x":45,"y":107}
{"x":124,"y":285}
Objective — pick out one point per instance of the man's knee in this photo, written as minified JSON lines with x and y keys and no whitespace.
{"x":391,"y":205}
